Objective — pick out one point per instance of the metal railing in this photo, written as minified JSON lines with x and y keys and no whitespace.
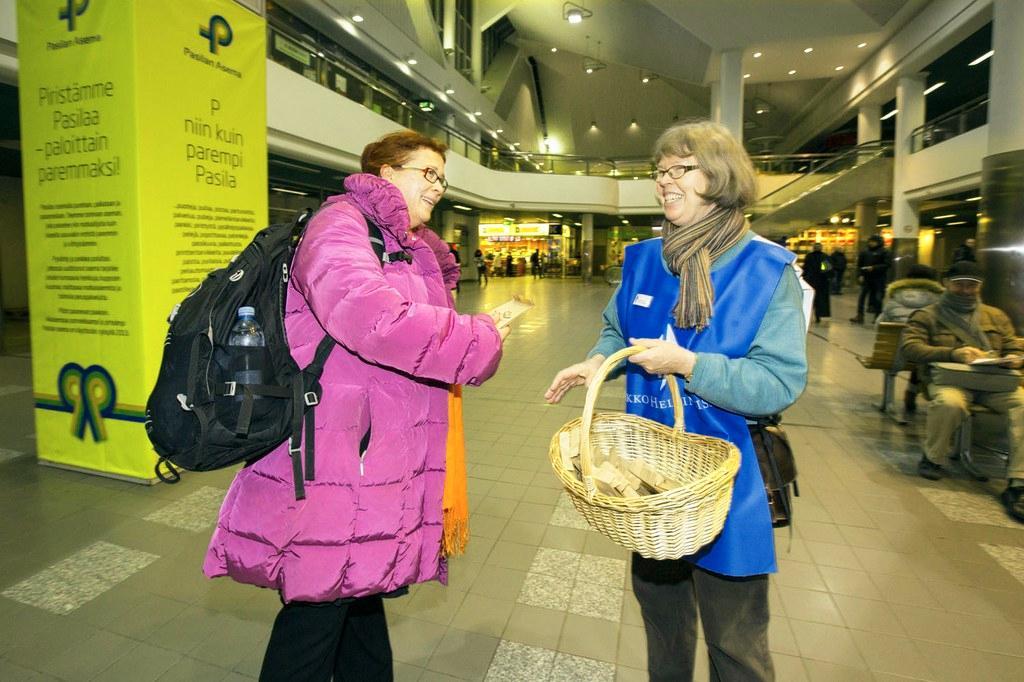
{"x":965,"y":117}
{"x":823,"y":173}
{"x":321,"y":61}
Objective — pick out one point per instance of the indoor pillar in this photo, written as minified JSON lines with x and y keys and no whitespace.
{"x":730,"y":92}
{"x":587,"y":247}
{"x":477,"y":45}
{"x":1001,"y":227}
{"x":905,"y":224}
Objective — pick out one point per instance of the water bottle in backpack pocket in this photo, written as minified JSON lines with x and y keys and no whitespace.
{"x":248,"y":360}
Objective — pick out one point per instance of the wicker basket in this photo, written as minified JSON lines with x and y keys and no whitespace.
{"x":665,"y":525}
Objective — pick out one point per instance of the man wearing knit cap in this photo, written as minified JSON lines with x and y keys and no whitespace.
{"x":960,"y":328}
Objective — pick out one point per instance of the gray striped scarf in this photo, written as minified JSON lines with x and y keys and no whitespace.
{"x":689,"y":252}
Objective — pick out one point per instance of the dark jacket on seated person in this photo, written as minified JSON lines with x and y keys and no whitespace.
{"x":927,"y":338}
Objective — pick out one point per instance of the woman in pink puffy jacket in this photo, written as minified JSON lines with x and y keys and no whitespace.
{"x":371,"y":522}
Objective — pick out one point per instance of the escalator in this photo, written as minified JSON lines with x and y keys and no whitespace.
{"x":858,"y":173}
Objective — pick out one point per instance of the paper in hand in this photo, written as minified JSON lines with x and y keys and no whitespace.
{"x":994,"y":361}
{"x":508,"y":311}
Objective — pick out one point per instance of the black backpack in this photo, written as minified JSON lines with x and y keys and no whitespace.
{"x":198,"y":418}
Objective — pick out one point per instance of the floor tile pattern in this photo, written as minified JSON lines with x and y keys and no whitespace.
{"x":884,"y":576}
{"x":196,"y":511}
{"x":80,"y":578}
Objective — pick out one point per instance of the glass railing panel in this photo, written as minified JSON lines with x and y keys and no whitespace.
{"x":967,"y":117}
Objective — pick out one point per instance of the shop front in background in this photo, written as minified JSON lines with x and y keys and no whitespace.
{"x":508,"y":246}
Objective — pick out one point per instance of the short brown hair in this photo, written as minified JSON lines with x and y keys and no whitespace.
{"x":395,"y":149}
{"x":732,"y":182}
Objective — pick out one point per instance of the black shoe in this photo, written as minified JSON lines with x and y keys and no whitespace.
{"x":910,"y":402}
{"x":857,"y":320}
{"x":930,"y":470}
{"x":1013,"y":499}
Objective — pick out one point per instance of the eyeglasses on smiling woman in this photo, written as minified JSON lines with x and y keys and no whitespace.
{"x":430,"y":174}
{"x":674,"y":172}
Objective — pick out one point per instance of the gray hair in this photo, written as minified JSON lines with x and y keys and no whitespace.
{"x":732,"y":182}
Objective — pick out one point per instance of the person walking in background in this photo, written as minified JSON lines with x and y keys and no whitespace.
{"x":873,"y":272}
{"x":749,"y":358}
{"x":371,"y":523}
{"x":481,"y":266}
{"x":508,"y":265}
{"x":818,"y":273}
{"x":913,"y":292}
{"x":965,"y":251}
{"x":535,"y":264}
{"x":458,"y":264}
{"x":838,"y":259}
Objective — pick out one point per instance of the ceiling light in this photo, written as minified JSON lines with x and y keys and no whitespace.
{"x":358,"y":18}
{"x":889,"y":115}
{"x":461,"y":207}
{"x":746,"y":75}
{"x":933,"y":88}
{"x":973,"y":199}
{"x":844,"y":221}
{"x":791,"y":72}
{"x":757,"y":55}
{"x":957,"y":222}
{"x":471,"y":117}
{"x":834,"y":219}
{"x":477,"y":113}
{"x":593,"y":125}
{"x":808,"y":50}
{"x":574,"y":13}
{"x":499,"y":130}
{"x":578,"y":224}
{"x":411,"y":61}
{"x":982,"y":58}
{"x":945,"y":215}
{"x":320,"y":53}
{"x":449,"y":90}
{"x":289,"y":191}
{"x":860,"y":45}
{"x":634,"y":124}
{"x":592,"y":65}
{"x":645,"y":80}
{"x":589,"y":70}
{"x":554,"y":49}
{"x":840,"y":68}
{"x":557,"y":215}
{"x":494,"y":133}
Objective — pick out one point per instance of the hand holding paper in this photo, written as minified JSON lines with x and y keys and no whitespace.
{"x":505,"y":313}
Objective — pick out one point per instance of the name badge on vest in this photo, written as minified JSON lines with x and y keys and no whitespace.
{"x":643,"y":300}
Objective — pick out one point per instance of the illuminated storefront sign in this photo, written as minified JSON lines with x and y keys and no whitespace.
{"x":514,"y":230}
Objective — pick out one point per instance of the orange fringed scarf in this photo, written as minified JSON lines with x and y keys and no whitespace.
{"x":455,"y":501}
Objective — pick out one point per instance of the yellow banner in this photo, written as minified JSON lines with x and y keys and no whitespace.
{"x":144,"y":158}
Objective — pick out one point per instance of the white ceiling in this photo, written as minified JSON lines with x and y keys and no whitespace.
{"x":680,"y":40}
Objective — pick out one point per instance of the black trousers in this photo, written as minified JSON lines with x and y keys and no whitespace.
{"x":733,"y":611}
{"x":311,"y":642}
{"x":873,"y":292}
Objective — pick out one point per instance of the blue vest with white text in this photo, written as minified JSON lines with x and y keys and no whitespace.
{"x":743,"y":290}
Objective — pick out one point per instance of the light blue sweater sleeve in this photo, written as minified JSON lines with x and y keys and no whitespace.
{"x":767,"y":380}
{"x":774,"y":373}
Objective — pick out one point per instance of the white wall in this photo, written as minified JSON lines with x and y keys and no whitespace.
{"x":950,"y":166}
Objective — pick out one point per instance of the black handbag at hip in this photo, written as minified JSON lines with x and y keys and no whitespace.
{"x":778,"y":468}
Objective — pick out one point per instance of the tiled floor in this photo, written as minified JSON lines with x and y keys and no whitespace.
{"x":884,"y":577}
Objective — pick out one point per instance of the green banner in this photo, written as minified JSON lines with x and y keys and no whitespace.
{"x":144,"y":153}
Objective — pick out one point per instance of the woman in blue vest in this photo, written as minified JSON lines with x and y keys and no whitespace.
{"x":720,"y":310}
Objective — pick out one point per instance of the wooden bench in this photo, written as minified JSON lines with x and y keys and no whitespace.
{"x":884,"y":357}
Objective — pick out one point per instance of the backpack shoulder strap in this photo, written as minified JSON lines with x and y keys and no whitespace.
{"x":376,"y":239}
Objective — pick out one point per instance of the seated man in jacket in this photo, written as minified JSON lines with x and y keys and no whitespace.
{"x":960,"y":328}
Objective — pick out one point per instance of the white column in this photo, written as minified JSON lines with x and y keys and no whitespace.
{"x":587,"y":247}
{"x":1006,"y":96}
{"x":730,"y":92}
{"x":477,"y":45}
{"x":869,"y":123}
{"x":905,"y":225}
{"x":448,"y":27}
{"x":715,"y":113}
{"x":447,"y":230}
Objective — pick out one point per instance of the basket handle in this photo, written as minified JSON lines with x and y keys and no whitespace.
{"x":586,"y":457}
